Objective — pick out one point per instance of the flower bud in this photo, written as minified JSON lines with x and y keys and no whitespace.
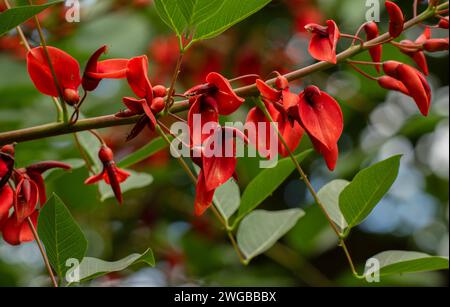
{"x":281,"y":83}
{"x":158,"y":104}
{"x":435,"y":45}
{"x":71,"y":96}
{"x":159,"y":91}
{"x":443,"y":23}
{"x":105,"y":154}
{"x":396,"y":19}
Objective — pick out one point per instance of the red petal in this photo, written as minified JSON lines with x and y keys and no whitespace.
{"x":114,"y":178}
{"x":292,"y":134}
{"x":421,"y":61}
{"x":321,"y":116}
{"x":219,"y":167}
{"x":426,"y":35}
{"x":330,"y":155}
{"x":396,"y":19}
{"x":67,"y":70}
{"x":267,"y":91}
{"x":392,"y":84}
{"x":323,"y":48}
{"x":95,"y":178}
{"x":207,"y":108}
{"x":6,"y":168}
{"x":410,"y":78}
{"x":42,"y":167}
{"x":26,"y":199}
{"x":15,"y":232}
{"x":137,"y":75}
{"x":90,"y":84}
{"x":39,"y":181}
{"x":203,"y":197}
{"x":227,"y":100}
{"x":6,"y":201}
{"x":290,"y":100}
{"x":26,"y":234}
{"x":260,"y":140}
{"x":134,"y":105}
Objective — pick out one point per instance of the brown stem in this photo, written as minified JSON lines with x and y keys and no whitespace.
{"x":42,"y":250}
{"x":169,"y":101}
{"x":55,"y":129}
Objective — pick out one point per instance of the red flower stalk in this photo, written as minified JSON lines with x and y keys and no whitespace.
{"x":372,"y":32}
{"x":413,"y":83}
{"x":67,"y":72}
{"x":396,"y":19}
{"x":321,"y":116}
{"x":111,"y":174}
{"x":324,"y":41}
{"x":218,"y":88}
{"x":280,"y":104}
{"x":418,"y":56}
{"x":216,"y":167}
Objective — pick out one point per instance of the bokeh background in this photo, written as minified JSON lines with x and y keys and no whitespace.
{"x":194,"y":251}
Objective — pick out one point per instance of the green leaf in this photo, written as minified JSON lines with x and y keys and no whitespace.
{"x":171,"y":13}
{"x":135,"y":181}
{"x":227,"y":199}
{"x":143,"y":153}
{"x":91,"y":268}
{"x":61,"y":235}
{"x":261,"y":229}
{"x":368,"y":187}
{"x":265,"y":183}
{"x":400,"y":262}
{"x":196,"y":11}
{"x":329,"y":196}
{"x":15,"y":16}
{"x":229,"y":14}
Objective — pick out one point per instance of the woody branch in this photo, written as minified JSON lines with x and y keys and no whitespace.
{"x":55,"y":129}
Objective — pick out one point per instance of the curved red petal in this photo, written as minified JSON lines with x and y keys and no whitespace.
{"x":267,"y":91}
{"x":25,"y":232}
{"x":11,"y":231}
{"x":67,"y":70}
{"x":207,"y":109}
{"x":95,"y":178}
{"x":421,"y":61}
{"x":396,"y":19}
{"x":330,"y":155}
{"x":410,"y":78}
{"x":376,"y":52}
{"x":321,"y":49}
{"x":321,"y":117}
{"x":292,"y":134}
{"x":227,"y":100}
{"x":89,"y":83}
{"x":203,"y":197}
{"x":392,"y":84}
{"x":137,"y":75}
{"x":26,"y":199}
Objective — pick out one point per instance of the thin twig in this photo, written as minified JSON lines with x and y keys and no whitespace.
{"x":43,"y":253}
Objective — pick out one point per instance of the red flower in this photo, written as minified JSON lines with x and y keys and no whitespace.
{"x":435,"y":45}
{"x":111,"y":174}
{"x":321,"y":116}
{"x":413,"y":83}
{"x":219,"y":88}
{"x":443,"y":23}
{"x":372,"y":32}
{"x":217,"y":166}
{"x":6,"y":203}
{"x":67,"y":72}
{"x":324,"y":41}
{"x":396,"y":19}
{"x":280,"y":103}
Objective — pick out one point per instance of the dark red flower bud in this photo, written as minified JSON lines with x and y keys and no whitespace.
{"x":71,"y":96}
{"x":8,"y":149}
{"x":105,"y":154}
{"x":437,"y":44}
{"x":372,"y":32}
{"x":159,"y":91}
{"x":158,"y":104}
{"x":396,"y":19}
{"x":281,"y":83}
